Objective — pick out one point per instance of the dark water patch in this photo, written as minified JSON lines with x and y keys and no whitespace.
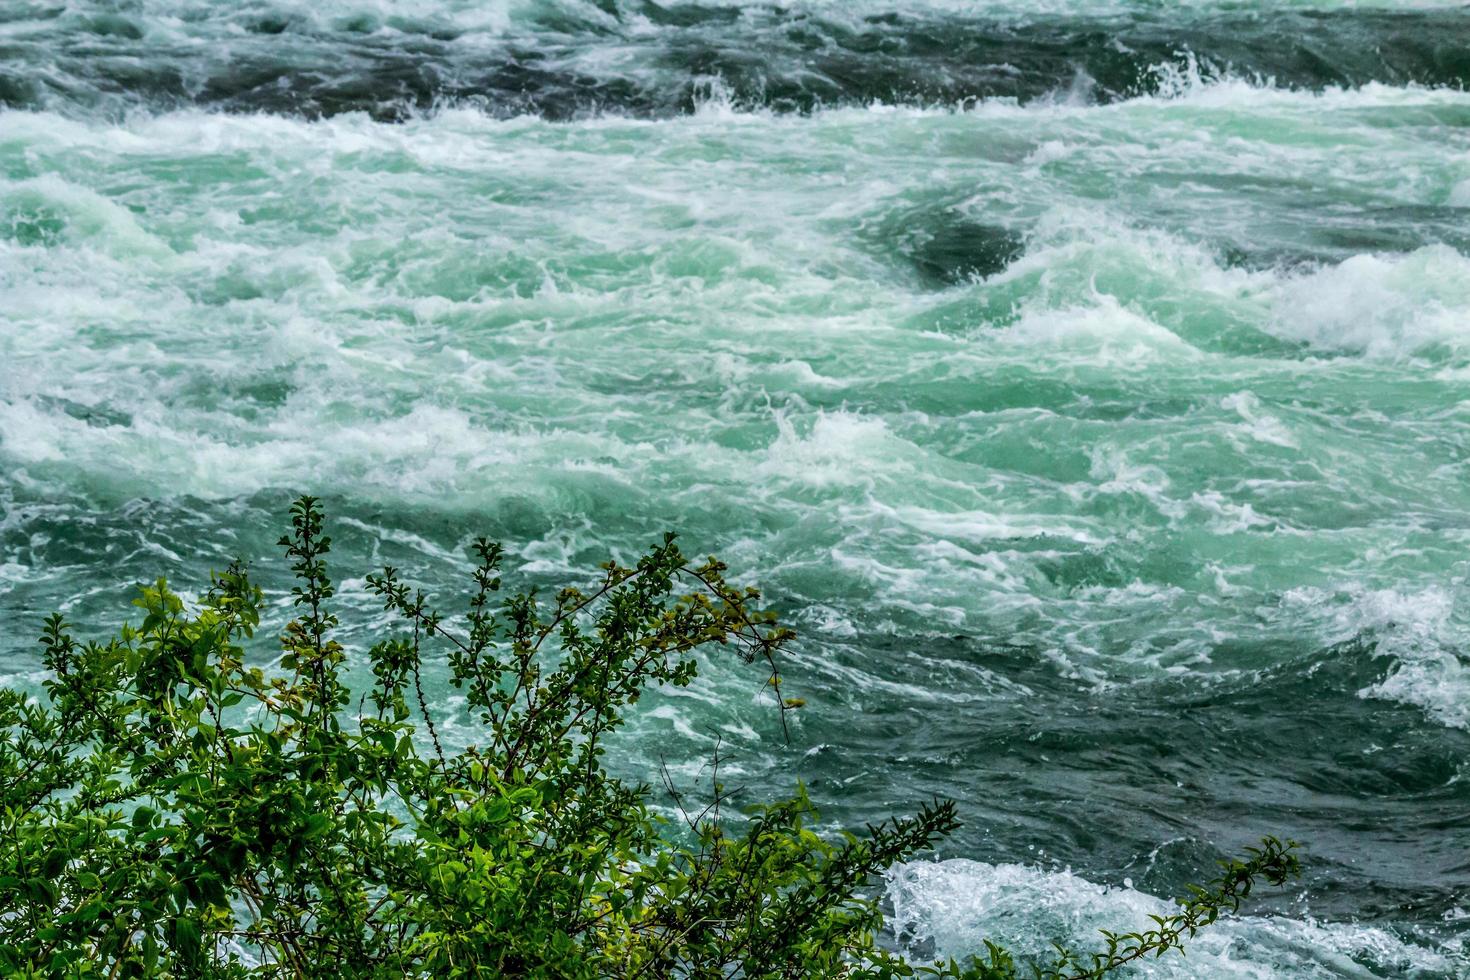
{"x":944,"y":245}
{"x":1391,"y":229}
{"x":99,"y":415}
{"x":269,"y":25}
{"x":385,"y":88}
{"x":685,"y":14}
{"x":805,"y":60}
{"x":1339,"y":234}
{"x":1212,"y":759}
{"x":649,"y":59}
{"x":959,"y":250}
{"x":115,"y":26}
{"x":1257,"y":257}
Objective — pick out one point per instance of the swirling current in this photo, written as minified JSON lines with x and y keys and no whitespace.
{"x":1088,"y":384}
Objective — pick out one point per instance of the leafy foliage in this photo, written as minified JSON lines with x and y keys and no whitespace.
{"x":173,"y":811}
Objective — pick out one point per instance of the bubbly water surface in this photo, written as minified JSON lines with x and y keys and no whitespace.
{"x":1089,"y":383}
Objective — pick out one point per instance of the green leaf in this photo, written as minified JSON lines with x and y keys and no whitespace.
{"x":186,"y":936}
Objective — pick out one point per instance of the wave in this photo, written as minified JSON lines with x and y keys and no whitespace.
{"x":575,"y":58}
{"x":947,"y":908}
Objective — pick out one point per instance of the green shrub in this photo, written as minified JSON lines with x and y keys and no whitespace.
{"x":173,"y":811}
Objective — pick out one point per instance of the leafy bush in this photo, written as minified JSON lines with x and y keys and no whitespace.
{"x":174,"y":811}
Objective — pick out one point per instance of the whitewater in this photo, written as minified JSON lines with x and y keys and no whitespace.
{"x":1087,"y":383}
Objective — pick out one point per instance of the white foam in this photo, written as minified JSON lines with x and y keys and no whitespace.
{"x":1418,"y":632}
{"x":1259,"y":425}
{"x":85,"y":216}
{"x":1381,"y":306}
{"x":1436,"y":680}
{"x":952,"y":906}
{"x":839,"y":447}
{"x":1104,"y":333}
{"x":977,"y":526}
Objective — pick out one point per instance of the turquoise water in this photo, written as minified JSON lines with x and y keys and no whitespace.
{"x":1088,"y":383}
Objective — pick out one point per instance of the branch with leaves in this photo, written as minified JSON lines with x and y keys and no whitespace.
{"x":170,"y":810}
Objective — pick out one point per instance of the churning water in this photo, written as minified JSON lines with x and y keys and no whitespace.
{"x":1088,"y":382}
